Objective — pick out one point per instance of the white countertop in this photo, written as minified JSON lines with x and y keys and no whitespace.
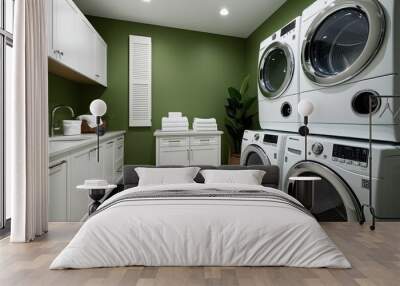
{"x":190,"y":132}
{"x":60,"y":145}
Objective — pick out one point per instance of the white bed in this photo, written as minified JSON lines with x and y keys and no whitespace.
{"x":200,"y":231}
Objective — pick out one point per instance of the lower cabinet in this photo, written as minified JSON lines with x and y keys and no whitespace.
{"x":118,"y":159}
{"x":58,"y":191}
{"x":205,"y":155}
{"x":80,"y":171}
{"x":188,"y":148}
{"x":66,"y":203}
{"x":108,"y":163}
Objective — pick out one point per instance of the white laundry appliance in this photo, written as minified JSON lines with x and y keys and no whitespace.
{"x":263,"y":148}
{"x":278,"y":79}
{"x":350,"y":52}
{"x":343,"y":166}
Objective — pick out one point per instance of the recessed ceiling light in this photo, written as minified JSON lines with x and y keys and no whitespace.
{"x":146,"y":1}
{"x":224,"y":12}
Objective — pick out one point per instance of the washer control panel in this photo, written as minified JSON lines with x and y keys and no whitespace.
{"x":350,"y":155}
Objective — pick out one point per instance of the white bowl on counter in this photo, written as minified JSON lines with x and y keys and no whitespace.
{"x":72,"y":127}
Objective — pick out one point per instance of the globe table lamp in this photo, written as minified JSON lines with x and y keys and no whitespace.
{"x":98,"y":108}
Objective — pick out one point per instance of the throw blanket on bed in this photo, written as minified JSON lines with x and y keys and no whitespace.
{"x":201,"y":225}
{"x":206,"y":194}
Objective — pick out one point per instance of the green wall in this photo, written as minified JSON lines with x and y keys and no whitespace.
{"x":287,"y":12}
{"x":191,"y":73}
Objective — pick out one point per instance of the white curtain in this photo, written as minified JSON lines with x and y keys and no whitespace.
{"x":27,"y":123}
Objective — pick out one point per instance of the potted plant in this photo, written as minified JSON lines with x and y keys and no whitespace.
{"x":238,"y":118}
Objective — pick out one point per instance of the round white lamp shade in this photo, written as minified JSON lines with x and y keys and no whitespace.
{"x":305,"y":108}
{"x":98,"y":107}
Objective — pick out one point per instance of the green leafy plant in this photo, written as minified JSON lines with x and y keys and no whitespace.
{"x":238,"y":117}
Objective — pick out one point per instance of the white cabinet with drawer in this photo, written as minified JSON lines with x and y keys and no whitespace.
{"x":71,"y":169}
{"x":188,"y":148}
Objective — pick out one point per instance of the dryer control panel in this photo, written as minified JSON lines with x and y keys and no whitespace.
{"x":350,"y":155}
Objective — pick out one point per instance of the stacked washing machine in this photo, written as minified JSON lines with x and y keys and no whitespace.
{"x":337,"y":55}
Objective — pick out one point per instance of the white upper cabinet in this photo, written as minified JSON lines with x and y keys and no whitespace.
{"x":85,"y":47}
{"x":101,"y":60}
{"x":63,"y":31}
{"x":76,"y":50}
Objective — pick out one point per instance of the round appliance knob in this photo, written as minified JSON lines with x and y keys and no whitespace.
{"x":317,"y":148}
{"x":256,"y":136}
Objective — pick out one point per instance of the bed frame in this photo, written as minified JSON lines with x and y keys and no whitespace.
{"x":271,"y":177}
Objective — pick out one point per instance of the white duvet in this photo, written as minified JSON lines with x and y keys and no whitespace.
{"x":200,"y":232}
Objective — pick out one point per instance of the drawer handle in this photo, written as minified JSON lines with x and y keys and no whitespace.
{"x":58,"y":164}
{"x":174,"y":141}
{"x":205,"y":140}
{"x":109,"y":143}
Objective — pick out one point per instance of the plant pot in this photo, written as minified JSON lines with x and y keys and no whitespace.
{"x":234,"y":159}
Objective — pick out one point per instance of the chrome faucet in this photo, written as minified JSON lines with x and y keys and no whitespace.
{"x":53,"y":112}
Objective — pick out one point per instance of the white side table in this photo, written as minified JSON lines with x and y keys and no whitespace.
{"x":97,"y":190}
{"x":309,"y":183}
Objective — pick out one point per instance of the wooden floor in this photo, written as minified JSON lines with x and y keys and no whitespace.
{"x":375,"y":257}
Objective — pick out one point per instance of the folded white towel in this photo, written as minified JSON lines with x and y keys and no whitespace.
{"x":174,"y":114}
{"x":205,"y":120}
{"x":90,"y":119}
{"x":204,"y":125}
{"x":175,"y":124}
{"x":175,"y":128}
{"x":174,"y":120}
{"x":205,"y":128}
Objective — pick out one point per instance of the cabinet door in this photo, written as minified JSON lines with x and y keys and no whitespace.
{"x":204,"y":155}
{"x":101,"y":61}
{"x":108,"y":171}
{"x":118,"y":158}
{"x":85,"y":48}
{"x":79,"y":171}
{"x":64,"y":32}
{"x":174,"y":156}
{"x":58,"y":192}
{"x":96,"y":167}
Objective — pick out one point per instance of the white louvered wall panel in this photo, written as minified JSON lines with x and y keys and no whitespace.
{"x":139,"y":81}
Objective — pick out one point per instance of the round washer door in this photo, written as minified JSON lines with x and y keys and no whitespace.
{"x":342,"y":40}
{"x":276,"y":70}
{"x":254,"y":156}
{"x":332,"y":191}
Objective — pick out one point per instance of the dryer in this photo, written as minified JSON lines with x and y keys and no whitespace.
{"x":343,"y":166}
{"x":350,"y":53}
{"x":278,"y":79}
{"x":263,"y":148}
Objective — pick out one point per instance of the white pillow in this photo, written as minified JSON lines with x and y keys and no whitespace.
{"x":166,"y":176}
{"x":247,"y":177}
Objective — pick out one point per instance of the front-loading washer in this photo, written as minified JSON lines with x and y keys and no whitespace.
{"x":263,"y":147}
{"x":350,"y":54}
{"x":278,"y":79}
{"x":343,"y":166}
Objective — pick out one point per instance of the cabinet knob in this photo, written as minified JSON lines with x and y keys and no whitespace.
{"x":61,"y":53}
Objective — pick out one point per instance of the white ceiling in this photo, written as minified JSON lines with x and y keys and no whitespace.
{"x":198,"y":15}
